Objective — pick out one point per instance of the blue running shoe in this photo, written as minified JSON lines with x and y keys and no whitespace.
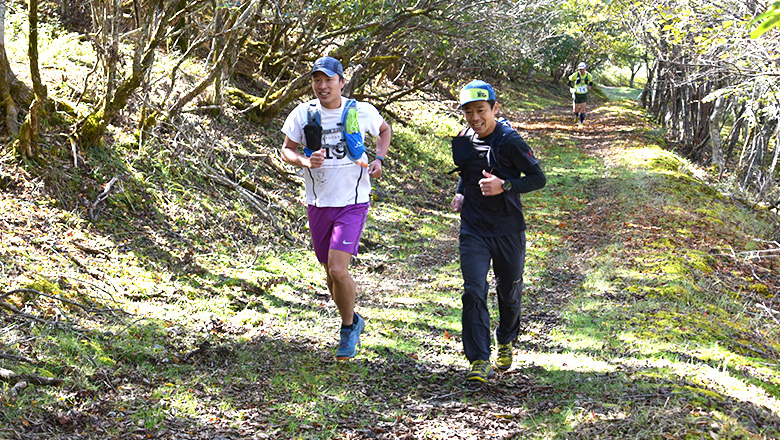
{"x":350,"y":340}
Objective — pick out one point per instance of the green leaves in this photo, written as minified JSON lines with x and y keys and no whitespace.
{"x":771,"y":19}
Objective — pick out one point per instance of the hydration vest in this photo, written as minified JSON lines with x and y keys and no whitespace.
{"x":351,"y":138}
{"x":463,"y":151}
{"x":580,"y":88}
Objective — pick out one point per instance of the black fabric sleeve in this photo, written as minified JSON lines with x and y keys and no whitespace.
{"x":532,"y":180}
{"x":461,"y":186}
{"x":519,"y":153}
{"x":522,"y":157}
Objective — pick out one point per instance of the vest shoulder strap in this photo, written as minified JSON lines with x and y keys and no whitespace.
{"x":351,"y":134}
{"x":313,"y":115}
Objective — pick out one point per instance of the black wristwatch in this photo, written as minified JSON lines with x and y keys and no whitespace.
{"x":507,"y":185}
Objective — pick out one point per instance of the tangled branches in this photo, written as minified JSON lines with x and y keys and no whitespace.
{"x":50,"y":315}
{"x":715,"y":89}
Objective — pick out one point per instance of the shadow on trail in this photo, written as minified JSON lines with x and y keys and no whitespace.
{"x":392,"y":396}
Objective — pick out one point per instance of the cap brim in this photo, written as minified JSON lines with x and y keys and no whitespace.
{"x":469,"y":102}
{"x":325,"y":71}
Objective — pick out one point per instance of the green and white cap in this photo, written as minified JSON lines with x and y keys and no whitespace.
{"x":476,"y":90}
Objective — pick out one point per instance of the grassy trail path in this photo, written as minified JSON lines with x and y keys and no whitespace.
{"x":641,"y":325}
{"x":648,"y":314}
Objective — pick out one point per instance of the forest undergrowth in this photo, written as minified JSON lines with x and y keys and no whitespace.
{"x":175,"y":308}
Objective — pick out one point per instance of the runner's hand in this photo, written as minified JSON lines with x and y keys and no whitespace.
{"x":457,"y":202}
{"x":490,"y":185}
{"x":375,"y":169}
{"x":317,"y":159}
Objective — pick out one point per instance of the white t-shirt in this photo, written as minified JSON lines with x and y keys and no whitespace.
{"x":340,"y":181}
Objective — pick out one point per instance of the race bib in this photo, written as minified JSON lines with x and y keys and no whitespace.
{"x":332,"y":138}
{"x":582,"y":89}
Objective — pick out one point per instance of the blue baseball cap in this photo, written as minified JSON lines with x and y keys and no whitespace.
{"x":329,"y":66}
{"x":476,"y":90}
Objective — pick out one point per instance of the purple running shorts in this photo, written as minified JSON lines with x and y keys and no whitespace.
{"x":337,"y":228}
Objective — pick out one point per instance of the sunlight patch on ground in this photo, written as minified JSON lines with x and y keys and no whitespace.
{"x":641,"y":156}
{"x":661,"y":160}
{"x":560,"y":126}
{"x":617,"y":110}
{"x":407,"y":300}
{"x":589,"y":417}
{"x":180,"y":401}
{"x":581,"y":341}
{"x":247,"y":317}
{"x":390,"y":213}
{"x":621,"y":93}
{"x":565,"y":362}
{"x":710,"y":378}
{"x":597,"y":284}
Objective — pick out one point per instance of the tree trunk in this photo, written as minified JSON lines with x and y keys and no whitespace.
{"x":38,"y":87}
{"x":65,"y":10}
{"x":9,"y":107}
{"x":715,"y":140}
{"x":217,"y":49}
{"x":156,"y":23}
{"x":755,"y":155}
{"x":27,"y":143}
{"x":530,"y":73}
{"x":232,"y":27}
{"x":634,"y":70}
{"x":181,"y":39}
{"x":773,"y":166}
{"x":736,"y":130}
{"x":747,"y":155}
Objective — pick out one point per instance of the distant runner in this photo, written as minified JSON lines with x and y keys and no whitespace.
{"x":579,"y":82}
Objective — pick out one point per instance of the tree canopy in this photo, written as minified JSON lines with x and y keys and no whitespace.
{"x":712,"y":66}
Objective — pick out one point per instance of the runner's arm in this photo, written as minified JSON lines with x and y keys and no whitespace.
{"x":291,"y":155}
{"x":383,"y":139}
{"x":532,"y":180}
{"x":382,"y":147}
{"x":523,"y":160}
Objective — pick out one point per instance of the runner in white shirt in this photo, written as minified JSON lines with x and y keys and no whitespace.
{"x":339,"y":181}
{"x":337,"y":187}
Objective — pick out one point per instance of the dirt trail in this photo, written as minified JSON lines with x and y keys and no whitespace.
{"x":409,"y":398}
{"x":589,"y":228}
{"x":506,"y":405}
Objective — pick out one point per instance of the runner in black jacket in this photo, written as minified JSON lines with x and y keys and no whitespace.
{"x":496,"y":166}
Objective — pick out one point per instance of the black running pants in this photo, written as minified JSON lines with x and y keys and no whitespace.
{"x":508,"y":256}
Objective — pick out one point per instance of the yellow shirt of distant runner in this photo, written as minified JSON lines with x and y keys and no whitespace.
{"x":581,"y":89}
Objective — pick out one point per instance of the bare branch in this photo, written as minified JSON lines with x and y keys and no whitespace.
{"x":93,"y":209}
{"x":13,"y":377}
{"x":17,"y":358}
